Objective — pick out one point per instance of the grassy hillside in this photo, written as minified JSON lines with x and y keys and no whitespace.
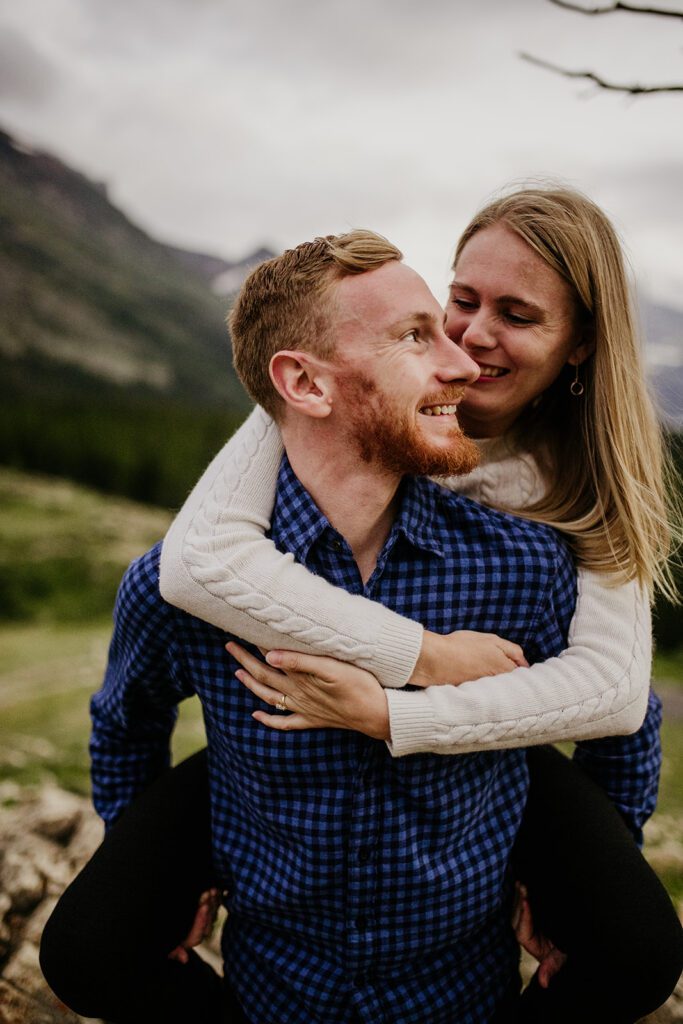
{"x":63,"y":549}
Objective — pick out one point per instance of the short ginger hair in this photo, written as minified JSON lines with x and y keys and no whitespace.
{"x":286,"y":303}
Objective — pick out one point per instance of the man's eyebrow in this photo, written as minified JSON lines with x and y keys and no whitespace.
{"x":420,"y":317}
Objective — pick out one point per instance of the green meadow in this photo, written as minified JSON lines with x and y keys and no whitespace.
{"x":62,"y":551}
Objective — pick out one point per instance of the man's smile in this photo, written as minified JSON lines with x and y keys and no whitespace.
{"x":439,"y":410}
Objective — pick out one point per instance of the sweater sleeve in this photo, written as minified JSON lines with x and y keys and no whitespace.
{"x":597,"y":687}
{"x":217,"y":564}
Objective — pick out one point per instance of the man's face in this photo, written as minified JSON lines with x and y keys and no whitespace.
{"x":398,"y":376}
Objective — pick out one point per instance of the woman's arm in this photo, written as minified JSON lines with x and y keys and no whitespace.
{"x":597,"y":687}
{"x":217,"y":564}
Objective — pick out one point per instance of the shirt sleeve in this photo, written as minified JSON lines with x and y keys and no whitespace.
{"x":628,"y":767}
{"x":218,"y":564}
{"x":134,"y":712}
{"x":597,"y":687}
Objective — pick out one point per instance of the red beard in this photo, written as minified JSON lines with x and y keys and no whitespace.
{"x":392,"y":439}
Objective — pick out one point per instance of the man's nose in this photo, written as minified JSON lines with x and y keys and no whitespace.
{"x":456,"y":364}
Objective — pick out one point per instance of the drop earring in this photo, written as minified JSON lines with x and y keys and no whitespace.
{"x":576,"y":387}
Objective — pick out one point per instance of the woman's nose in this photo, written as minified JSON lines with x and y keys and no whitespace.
{"x":478,"y":334}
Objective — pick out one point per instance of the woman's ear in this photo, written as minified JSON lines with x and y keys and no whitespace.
{"x":303,"y":382}
{"x":584,"y":349}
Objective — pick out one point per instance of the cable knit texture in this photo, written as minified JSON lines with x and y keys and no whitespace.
{"x":217,"y":564}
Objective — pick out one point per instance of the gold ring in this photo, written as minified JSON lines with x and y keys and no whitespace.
{"x":281,"y":704}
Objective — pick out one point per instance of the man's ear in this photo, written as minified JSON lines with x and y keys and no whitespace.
{"x":303,"y":382}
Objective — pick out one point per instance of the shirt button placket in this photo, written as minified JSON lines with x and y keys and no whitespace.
{"x":362,"y":881}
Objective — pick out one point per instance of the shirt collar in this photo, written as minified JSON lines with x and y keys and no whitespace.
{"x":298,"y":523}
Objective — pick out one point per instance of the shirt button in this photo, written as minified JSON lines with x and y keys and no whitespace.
{"x":364,"y":854}
{"x":361,"y":923}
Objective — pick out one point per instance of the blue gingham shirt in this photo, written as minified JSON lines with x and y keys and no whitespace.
{"x":360,"y":887}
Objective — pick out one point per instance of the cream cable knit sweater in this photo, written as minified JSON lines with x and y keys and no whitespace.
{"x":217,"y":564}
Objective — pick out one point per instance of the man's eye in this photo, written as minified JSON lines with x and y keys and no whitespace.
{"x":411,"y":336}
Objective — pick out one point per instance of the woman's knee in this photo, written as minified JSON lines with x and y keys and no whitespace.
{"x":650,"y":960}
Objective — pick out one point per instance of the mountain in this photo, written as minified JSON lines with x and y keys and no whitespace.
{"x":88,"y":298}
{"x":663,"y":331}
{"x":114,"y":355}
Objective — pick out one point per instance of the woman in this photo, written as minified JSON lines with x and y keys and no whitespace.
{"x":540,"y":301}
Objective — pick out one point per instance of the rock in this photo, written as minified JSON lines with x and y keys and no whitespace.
{"x":18,"y":1007}
{"x":21,"y":881}
{"x":38,"y":919}
{"x":56,"y":814}
{"x":47,"y":836}
{"x":86,"y":839}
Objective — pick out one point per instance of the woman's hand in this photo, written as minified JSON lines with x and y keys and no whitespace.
{"x":202,"y":925}
{"x":550,"y":958}
{"x":457,"y":657}
{"x":320,"y":693}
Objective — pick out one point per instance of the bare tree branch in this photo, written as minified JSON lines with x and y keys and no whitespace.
{"x":633,"y":90}
{"x":660,"y":12}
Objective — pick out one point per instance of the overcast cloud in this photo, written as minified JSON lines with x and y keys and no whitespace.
{"x":221,"y":126}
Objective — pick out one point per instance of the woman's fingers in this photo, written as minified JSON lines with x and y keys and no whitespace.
{"x":202,"y":925}
{"x":261,"y":672}
{"x":285,"y":723}
{"x":293,"y":662}
{"x":514,"y":652}
{"x":265,"y":693}
{"x":549,"y":966}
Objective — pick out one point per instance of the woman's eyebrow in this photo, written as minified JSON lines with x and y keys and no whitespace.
{"x":503,"y":300}
{"x":515,"y":300}
{"x":463,"y":287}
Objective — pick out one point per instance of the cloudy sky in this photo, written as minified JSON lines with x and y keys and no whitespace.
{"x":221,"y":125}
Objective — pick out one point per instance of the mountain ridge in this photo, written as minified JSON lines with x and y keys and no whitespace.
{"x":84,"y":287}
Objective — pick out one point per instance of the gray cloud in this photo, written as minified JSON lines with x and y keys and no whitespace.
{"x":25,"y":73}
{"x":220,"y":123}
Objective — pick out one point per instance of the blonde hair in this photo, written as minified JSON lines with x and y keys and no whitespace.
{"x":602,"y":453}
{"x":286,"y":303}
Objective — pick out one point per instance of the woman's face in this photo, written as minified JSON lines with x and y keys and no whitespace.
{"x":516,"y":317}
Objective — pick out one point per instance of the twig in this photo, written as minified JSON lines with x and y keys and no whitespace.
{"x":660,"y":12}
{"x":632,"y":90}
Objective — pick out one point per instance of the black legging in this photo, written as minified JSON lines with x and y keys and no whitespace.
{"x":594,"y":894}
{"x":104,"y":950}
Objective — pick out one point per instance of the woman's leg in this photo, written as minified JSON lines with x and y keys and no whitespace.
{"x":105,"y":948}
{"x":592,"y":892}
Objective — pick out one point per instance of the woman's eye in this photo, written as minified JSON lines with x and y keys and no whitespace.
{"x":519,"y":321}
{"x":466,"y":304}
